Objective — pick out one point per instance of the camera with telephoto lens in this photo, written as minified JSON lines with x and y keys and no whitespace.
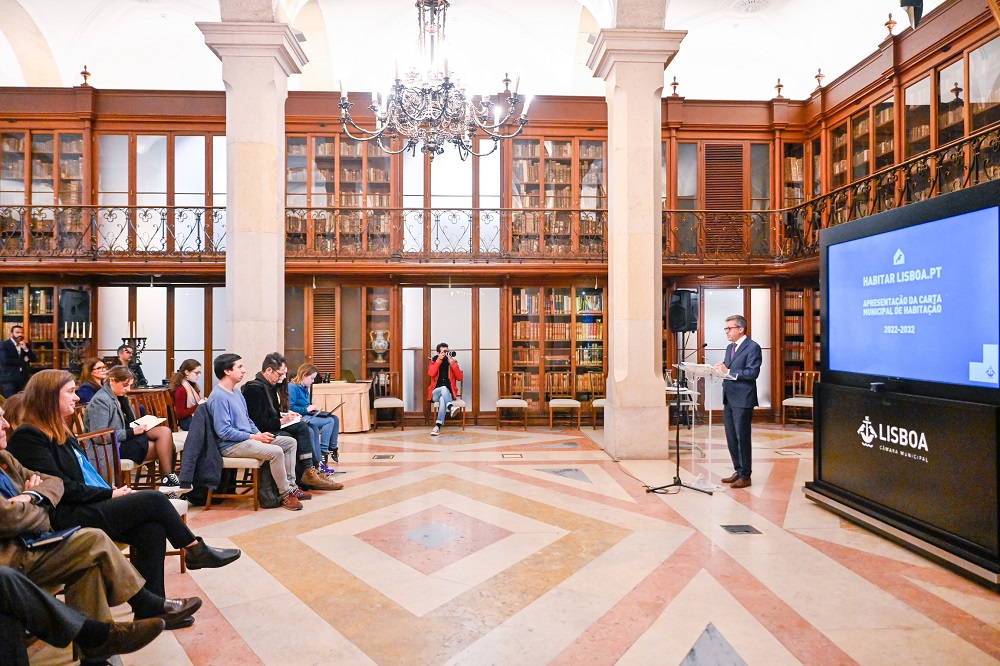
{"x":453,"y":354}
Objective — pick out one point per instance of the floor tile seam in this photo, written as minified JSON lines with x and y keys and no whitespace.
{"x":555,"y":496}
{"x":889,"y":575}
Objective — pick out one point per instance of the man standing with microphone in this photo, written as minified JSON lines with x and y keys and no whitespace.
{"x":16,"y":358}
{"x":742,"y":361}
{"x":444,"y":372}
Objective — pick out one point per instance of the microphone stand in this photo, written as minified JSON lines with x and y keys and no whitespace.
{"x":677,"y":483}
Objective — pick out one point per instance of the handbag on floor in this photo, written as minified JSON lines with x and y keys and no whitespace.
{"x":267,"y":490}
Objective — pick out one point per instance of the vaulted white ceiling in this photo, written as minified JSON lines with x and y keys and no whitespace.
{"x":735,"y":49}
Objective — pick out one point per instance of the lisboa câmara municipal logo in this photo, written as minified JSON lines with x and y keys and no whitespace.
{"x":867,"y":432}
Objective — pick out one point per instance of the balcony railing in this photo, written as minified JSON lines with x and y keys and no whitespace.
{"x":100,"y":232}
{"x":496,"y":234}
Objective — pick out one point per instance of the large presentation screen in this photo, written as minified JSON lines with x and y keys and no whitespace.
{"x":920,"y":302}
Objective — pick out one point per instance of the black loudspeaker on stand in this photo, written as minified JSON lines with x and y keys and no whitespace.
{"x":683,"y":319}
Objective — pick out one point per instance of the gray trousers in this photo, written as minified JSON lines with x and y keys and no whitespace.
{"x":25,"y":606}
{"x":280,"y":455}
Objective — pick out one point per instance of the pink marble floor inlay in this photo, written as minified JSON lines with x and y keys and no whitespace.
{"x":468,"y":536}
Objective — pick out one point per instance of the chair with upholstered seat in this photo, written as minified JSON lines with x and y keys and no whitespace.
{"x":598,"y":395}
{"x":456,"y":403}
{"x":248,"y":483}
{"x":388,"y":397}
{"x":510,"y":397}
{"x":561,"y":395}
{"x":101,"y":450}
{"x":803,"y":382}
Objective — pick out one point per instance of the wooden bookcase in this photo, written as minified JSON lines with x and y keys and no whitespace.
{"x":35,"y":307}
{"x":800,"y":332}
{"x":793,"y":173}
{"x":551,"y":180}
{"x":352,"y":178}
{"x":557,"y":329}
{"x":838,"y":156}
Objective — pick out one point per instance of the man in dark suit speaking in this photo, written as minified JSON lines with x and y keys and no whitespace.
{"x":16,"y":358}
{"x":742,"y":361}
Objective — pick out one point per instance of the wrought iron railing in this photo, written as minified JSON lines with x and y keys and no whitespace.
{"x":99,"y":232}
{"x":497,"y":234}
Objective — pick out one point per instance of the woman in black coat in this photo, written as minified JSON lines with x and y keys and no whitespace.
{"x":144,"y":519}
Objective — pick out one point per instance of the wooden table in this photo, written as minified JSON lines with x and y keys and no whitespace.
{"x":355,"y":415}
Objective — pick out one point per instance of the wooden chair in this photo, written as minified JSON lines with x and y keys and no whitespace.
{"x":802,"y":396}
{"x":510,"y":396}
{"x":559,"y":387}
{"x":155,"y":402}
{"x":101,"y":450}
{"x":456,"y":402}
{"x":598,"y":395}
{"x":248,"y":483}
{"x":77,"y":426}
{"x":388,"y":396}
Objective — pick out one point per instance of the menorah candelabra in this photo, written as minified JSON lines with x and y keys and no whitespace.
{"x":137,"y":344}
{"x":76,"y":338}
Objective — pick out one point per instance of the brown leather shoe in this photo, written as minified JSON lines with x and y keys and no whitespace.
{"x":731,"y":479}
{"x":741,"y":483}
{"x":177,"y":612}
{"x":126,"y":637}
{"x":317,"y":481}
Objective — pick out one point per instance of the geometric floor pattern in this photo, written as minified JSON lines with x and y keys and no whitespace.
{"x":527,"y":548}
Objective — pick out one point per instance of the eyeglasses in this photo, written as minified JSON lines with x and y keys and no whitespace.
{"x":732,"y":328}
{"x":99,"y":367}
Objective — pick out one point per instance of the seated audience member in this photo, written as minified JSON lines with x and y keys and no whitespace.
{"x":264,"y":407}
{"x":187,"y":395}
{"x":26,"y":607}
{"x":326,"y":429}
{"x":94,"y":573}
{"x":109,"y":408}
{"x":91,"y":379}
{"x":126,"y":358}
{"x":238,"y":437}
{"x":143,"y":519}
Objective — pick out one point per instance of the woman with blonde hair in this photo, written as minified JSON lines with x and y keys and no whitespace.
{"x":144,"y":519}
{"x":109,"y":408}
{"x":91,"y":379}
{"x":184,"y":389}
{"x":325,"y":427}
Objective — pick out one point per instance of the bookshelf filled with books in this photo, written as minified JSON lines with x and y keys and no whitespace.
{"x":794,"y":174}
{"x":800,"y":331}
{"x":34,"y":307}
{"x":557,"y":329}
{"x":838,"y":156}
{"x":558,"y":196}
{"x":352,"y":181}
{"x":860,"y":145}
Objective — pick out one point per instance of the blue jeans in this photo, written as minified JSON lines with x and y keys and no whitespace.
{"x":324,"y":431}
{"x":441,"y":395}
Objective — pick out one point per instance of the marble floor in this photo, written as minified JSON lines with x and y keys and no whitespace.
{"x":483,"y":547}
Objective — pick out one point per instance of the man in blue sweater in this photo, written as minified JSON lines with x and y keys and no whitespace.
{"x":240,"y":438}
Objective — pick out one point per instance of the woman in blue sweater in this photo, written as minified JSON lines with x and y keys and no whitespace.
{"x":326,"y":429}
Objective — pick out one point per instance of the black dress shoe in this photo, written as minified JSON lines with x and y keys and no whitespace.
{"x":126,"y":637}
{"x":200,"y":556}
{"x":177,"y":612}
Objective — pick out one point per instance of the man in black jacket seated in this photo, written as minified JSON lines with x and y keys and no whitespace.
{"x":264,"y":407}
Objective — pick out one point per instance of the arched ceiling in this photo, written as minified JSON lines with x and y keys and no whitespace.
{"x":735,"y":49}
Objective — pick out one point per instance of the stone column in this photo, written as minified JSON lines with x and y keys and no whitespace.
{"x":632,"y":61}
{"x":257,"y":58}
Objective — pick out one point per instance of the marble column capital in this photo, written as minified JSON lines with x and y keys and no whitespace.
{"x":255,"y":40}
{"x":634,"y":46}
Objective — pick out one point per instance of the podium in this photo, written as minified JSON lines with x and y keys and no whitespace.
{"x":354,"y":415}
{"x":710,"y":377}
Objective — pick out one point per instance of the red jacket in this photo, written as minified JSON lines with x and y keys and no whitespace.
{"x":455,"y":373}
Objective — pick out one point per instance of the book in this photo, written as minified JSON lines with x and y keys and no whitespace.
{"x":149,"y":420}
{"x":33,"y":541}
{"x":298,"y":417}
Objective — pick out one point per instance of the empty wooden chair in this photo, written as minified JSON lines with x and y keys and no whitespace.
{"x":510,"y":394}
{"x":598,"y":395}
{"x":802,"y":396}
{"x":388,"y":397}
{"x":559,"y":386}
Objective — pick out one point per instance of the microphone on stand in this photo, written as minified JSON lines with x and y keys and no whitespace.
{"x":694,"y":351}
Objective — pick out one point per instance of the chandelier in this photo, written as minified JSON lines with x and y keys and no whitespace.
{"x":430,"y":109}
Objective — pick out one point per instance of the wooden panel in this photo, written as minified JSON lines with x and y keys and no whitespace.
{"x":723,"y":191}
{"x":324,"y":332}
